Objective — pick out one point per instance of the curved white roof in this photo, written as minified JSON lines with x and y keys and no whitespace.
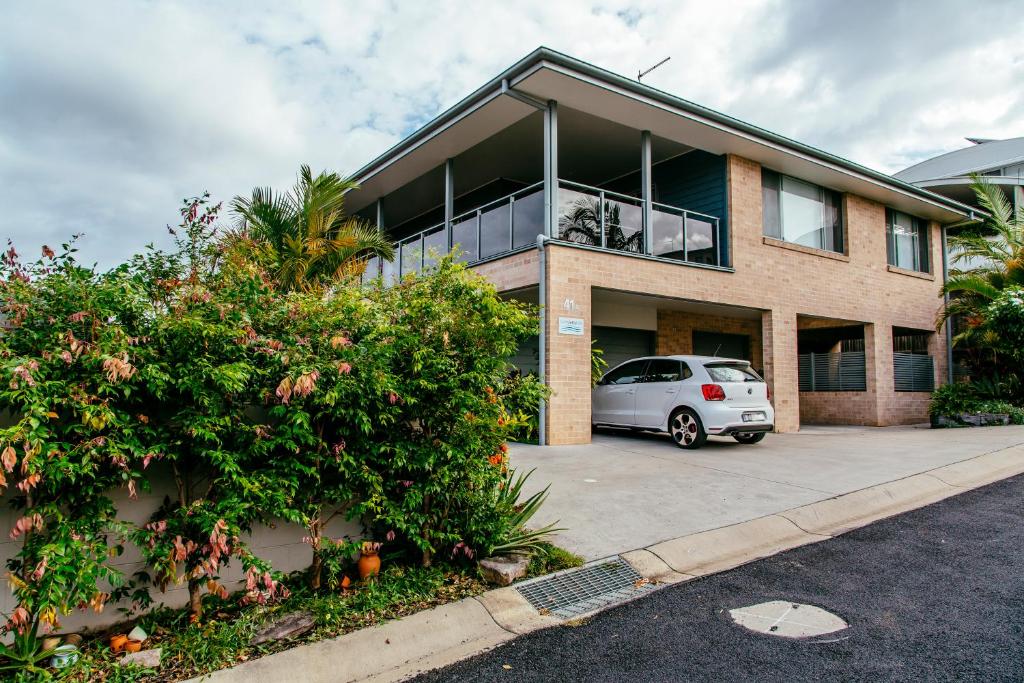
{"x":978,"y":158}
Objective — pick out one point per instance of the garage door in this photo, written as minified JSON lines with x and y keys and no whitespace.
{"x":620,"y":344}
{"x":721,"y":345}
{"x":527,"y":357}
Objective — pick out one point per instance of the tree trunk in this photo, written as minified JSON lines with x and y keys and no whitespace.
{"x":195,"y":600}
{"x":427,"y":558}
{"x":315,"y":571}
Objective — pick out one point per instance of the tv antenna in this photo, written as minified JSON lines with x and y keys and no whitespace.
{"x":641,"y":74}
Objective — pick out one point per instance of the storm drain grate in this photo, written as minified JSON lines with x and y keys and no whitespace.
{"x":589,"y":588}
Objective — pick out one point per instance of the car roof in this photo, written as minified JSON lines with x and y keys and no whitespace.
{"x":691,"y":359}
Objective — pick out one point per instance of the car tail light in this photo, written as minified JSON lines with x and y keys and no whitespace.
{"x":712,"y":392}
{"x":769,"y":393}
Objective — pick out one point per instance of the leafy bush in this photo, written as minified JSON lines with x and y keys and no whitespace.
{"x":1004,"y":319}
{"x":68,"y":355}
{"x":389,"y":405}
{"x":952,"y":400}
{"x":521,"y":396}
{"x":438,"y":451}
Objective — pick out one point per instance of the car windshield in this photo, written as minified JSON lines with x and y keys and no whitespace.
{"x":732,"y":372}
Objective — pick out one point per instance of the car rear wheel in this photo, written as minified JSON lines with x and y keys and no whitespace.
{"x":686,"y":429}
{"x":749,"y":438}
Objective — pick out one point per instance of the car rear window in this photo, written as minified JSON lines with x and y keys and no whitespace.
{"x":732,"y":372}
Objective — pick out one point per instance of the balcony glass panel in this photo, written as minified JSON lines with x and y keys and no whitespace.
{"x":372,"y":269}
{"x":624,"y":226}
{"x":389,"y":271}
{"x":494,"y":230}
{"x":527,"y":218}
{"x":579,"y":217}
{"x":667,"y":233}
{"x":410,"y":256}
{"x":435,"y":246}
{"x":464,"y":239}
{"x":701,"y":245}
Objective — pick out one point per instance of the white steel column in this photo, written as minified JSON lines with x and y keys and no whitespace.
{"x":449,"y":195}
{"x":551,"y":169}
{"x":645,"y":191}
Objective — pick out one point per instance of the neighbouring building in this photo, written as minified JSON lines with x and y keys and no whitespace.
{"x":1001,"y":162}
{"x":643,"y":223}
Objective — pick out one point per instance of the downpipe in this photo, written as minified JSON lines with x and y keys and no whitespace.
{"x":542,"y":338}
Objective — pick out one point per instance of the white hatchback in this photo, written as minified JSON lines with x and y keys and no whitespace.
{"x":690,"y":397}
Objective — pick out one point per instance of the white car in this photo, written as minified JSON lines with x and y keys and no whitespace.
{"x":690,"y":397}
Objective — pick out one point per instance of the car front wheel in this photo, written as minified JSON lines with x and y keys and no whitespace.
{"x":749,"y":438}
{"x":686,"y":429}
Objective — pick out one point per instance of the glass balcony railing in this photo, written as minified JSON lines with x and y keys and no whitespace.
{"x":586,"y":215}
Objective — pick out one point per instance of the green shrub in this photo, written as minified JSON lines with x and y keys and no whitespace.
{"x":952,"y":400}
{"x":68,"y":358}
{"x":521,"y":395}
{"x":437,"y":451}
{"x":504,"y":524}
{"x":390,"y":405}
{"x":1004,"y":320}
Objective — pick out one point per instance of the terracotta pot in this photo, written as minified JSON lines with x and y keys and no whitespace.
{"x":345,"y":582}
{"x":132,"y":645}
{"x":369,"y":565}
{"x":73,"y":639}
{"x":51,"y":643}
{"x":117,"y":642}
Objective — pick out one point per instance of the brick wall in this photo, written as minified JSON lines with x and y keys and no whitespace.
{"x":781,"y":281}
{"x":676,"y":328}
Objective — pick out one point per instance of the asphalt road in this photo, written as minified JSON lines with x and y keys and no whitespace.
{"x":934,"y":594}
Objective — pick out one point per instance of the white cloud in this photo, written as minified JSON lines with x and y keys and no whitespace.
{"x":114,"y":111}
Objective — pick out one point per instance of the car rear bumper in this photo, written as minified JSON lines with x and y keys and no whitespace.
{"x":726,"y":420}
{"x":743,"y":429}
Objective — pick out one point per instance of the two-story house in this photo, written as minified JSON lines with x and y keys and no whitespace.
{"x":643,"y":223}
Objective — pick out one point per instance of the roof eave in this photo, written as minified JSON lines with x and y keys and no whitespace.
{"x":543,"y":54}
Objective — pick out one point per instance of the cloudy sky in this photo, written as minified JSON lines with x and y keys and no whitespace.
{"x":111,"y":112}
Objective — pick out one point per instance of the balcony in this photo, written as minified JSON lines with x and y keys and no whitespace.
{"x":587,"y":216}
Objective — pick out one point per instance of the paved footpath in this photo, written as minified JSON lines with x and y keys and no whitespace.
{"x":933,"y":594}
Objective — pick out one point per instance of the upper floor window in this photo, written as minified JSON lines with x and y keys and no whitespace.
{"x":906,"y":241}
{"x":801,"y":212}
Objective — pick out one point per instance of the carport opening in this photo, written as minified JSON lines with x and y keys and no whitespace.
{"x":832,"y":371}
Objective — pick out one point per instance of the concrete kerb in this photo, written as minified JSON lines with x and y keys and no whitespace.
{"x":400,"y":649}
{"x":392,"y":651}
{"x":716,"y":550}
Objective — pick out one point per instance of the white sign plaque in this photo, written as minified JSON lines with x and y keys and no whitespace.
{"x":573,"y":326}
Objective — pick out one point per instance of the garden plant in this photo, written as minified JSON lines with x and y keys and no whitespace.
{"x":254,"y":392}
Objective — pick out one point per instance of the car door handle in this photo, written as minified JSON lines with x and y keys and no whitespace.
{"x":631,"y":391}
{"x":671,"y":391}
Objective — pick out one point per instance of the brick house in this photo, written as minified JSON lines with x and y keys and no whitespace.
{"x":643,"y":223}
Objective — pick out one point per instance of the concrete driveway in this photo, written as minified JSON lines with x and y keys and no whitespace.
{"x":626,"y":491}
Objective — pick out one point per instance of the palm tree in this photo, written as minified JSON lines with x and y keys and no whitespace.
{"x":310,"y":240}
{"x":990,"y":253}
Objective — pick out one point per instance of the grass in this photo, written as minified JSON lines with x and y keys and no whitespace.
{"x":222,"y":639}
{"x":550,"y":558}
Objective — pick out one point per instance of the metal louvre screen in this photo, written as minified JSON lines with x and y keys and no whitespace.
{"x":914,"y":372}
{"x":832,"y":371}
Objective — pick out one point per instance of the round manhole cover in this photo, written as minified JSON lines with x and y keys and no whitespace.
{"x":787,"y":619}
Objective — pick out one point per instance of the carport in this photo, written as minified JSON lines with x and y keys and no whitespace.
{"x":628,"y":325}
